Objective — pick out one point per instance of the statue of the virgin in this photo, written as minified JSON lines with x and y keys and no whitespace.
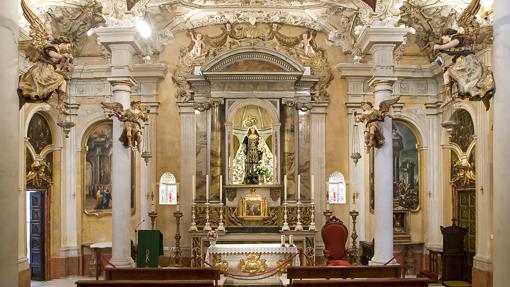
{"x":253,"y":160}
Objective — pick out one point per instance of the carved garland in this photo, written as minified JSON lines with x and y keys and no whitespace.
{"x":204,"y":48}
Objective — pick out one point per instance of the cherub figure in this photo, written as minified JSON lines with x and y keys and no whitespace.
{"x":372,"y":118}
{"x":198,"y":40}
{"x":53,"y":62}
{"x":307,"y":43}
{"x":132,"y":134}
{"x":473,"y":80}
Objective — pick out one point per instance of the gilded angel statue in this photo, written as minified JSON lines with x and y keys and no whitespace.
{"x":53,"y":64}
{"x":372,"y":118}
{"x":473,"y":80}
{"x":132,"y":134}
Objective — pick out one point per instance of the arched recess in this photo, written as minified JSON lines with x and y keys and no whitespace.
{"x":463,"y":180}
{"x":235,"y":134}
{"x":38,"y":175}
{"x":337,"y":192}
{"x":167,"y":189}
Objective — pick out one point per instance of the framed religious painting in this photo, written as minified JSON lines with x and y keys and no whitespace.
{"x":253,"y":207}
{"x":97,"y":170}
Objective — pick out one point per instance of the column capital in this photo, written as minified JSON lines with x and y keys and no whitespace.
{"x":381,"y":36}
{"x":121,"y":83}
{"x":380,"y":81}
{"x":111,"y":36}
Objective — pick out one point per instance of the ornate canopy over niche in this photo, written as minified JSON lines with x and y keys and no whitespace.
{"x":252,"y":54}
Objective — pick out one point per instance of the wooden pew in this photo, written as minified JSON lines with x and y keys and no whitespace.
{"x":144,"y":283}
{"x":327,"y":272}
{"x":173,"y":273}
{"x":371,"y":282}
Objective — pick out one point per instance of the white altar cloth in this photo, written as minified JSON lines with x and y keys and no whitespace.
{"x":235,"y":250}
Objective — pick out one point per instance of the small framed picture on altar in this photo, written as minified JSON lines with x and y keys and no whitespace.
{"x":167,"y":189}
{"x":253,"y":207}
{"x":336,"y":189}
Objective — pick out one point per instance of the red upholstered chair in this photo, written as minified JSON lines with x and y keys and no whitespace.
{"x":334,"y":235}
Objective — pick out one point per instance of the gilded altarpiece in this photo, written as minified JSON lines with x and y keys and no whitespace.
{"x":253,"y":90}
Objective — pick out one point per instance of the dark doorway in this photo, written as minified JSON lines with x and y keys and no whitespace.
{"x":36,"y":234}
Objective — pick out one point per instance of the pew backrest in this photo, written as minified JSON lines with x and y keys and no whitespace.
{"x":144,"y":283}
{"x":327,"y":272}
{"x":370,"y":282}
{"x":173,"y":273}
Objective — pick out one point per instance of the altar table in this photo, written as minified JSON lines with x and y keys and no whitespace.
{"x":233,"y":253}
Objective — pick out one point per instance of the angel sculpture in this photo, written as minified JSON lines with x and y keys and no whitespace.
{"x":198,"y":45}
{"x":307,"y":42}
{"x":132,"y":134}
{"x":373,"y":134}
{"x":473,"y":80}
{"x":53,"y":63}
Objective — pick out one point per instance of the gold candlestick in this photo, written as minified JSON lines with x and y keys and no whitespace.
{"x":354,"y":236}
{"x":153,"y":215}
{"x":177,"y":250}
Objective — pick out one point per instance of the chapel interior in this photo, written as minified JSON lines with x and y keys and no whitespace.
{"x":255,"y":143}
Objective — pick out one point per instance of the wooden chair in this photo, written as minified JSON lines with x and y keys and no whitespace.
{"x":334,"y":235}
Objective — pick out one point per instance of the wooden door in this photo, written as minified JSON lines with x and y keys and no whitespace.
{"x":467,"y":219}
{"x":37,"y":235}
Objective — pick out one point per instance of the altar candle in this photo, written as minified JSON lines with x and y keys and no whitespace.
{"x":291,"y":240}
{"x":221,"y":188}
{"x":282,"y":240}
{"x":285,"y":188}
{"x":193,"y":188}
{"x":327,"y":200}
{"x":313,"y":189}
{"x":177,"y":197}
{"x":207,"y":188}
{"x":298,"y":187}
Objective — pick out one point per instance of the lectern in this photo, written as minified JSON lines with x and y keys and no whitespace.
{"x":150,"y":247}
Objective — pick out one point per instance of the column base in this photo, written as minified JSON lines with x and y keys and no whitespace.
{"x":127,"y":263}
{"x":389,"y":261}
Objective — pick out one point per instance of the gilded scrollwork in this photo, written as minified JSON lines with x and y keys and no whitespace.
{"x":253,"y":263}
{"x":203,"y":48}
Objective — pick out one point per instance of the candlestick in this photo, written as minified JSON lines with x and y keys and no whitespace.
{"x":299,"y":225}
{"x":221,"y":188}
{"x":207,"y":225}
{"x":193,"y":226}
{"x":354,"y":249}
{"x":177,"y":198}
{"x":298,"y":187}
{"x":207,"y":188}
{"x":285,"y":188}
{"x":312,"y":226}
{"x":285,"y":226}
{"x":291,"y":240}
{"x":327,"y":199}
{"x":282,"y":240}
{"x":193,"y":188}
{"x":312,"y":189}
{"x":221,"y":226}
{"x":177,"y":250}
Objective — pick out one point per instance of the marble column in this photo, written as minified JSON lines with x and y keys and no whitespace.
{"x":69,"y":242}
{"x":121,"y":181}
{"x":383,"y":180}
{"x":435,"y":174}
{"x":10,"y":156}
{"x":501,"y":138}
{"x":318,"y":164}
{"x":289,"y":146}
{"x":124,"y":43}
{"x":188,"y":164}
{"x":216,"y":148}
{"x":381,"y":43}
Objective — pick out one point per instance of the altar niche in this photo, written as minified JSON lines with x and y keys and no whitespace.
{"x":251,"y":119}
